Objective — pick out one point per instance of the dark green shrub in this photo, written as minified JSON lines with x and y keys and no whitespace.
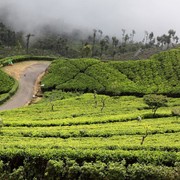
{"x":93,"y":171}
{"x":54,"y":169}
{"x":159,"y":75}
{"x":1,"y":167}
{"x":149,"y":172}
{"x":6,"y":82}
{"x":116,"y":171}
{"x":17,"y":174}
{"x":74,"y":171}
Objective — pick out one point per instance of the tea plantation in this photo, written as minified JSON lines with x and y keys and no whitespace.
{"x":160,"y":75}
{"x":92,"y":123}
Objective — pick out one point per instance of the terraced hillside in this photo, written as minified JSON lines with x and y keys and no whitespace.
{"x":160,"y":75}
{"x":77,"y":138}
{"x":86,"y":75}
{"x":70,"y":134}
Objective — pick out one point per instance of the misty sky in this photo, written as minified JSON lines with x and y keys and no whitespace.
{"x":108,"y":15}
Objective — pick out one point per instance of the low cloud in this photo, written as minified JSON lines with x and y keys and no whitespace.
{"x":108,"y":15}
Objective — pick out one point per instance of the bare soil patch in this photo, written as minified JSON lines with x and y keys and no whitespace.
{"x":17,"y":69}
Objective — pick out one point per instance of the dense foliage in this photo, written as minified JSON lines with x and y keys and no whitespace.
{"x":6,"y":82}
{"x":91,"y":136}
{"x":159,"y":75}
{"x":48,"y":40}
{"x":78,"y":140}
{"x":7,"y":36}
{"x":86,"y":75}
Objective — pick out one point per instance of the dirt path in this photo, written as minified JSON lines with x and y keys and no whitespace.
{"x":27,"y":74}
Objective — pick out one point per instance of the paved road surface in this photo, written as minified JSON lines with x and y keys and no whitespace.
{"x":26,"y":86}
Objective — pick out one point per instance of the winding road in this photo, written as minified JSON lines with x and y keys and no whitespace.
{"x":27,"y":81}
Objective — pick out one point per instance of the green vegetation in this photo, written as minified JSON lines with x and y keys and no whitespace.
{"x":78,"y":140}
{"x":93,"y":122}
{"x":7,"y":86}
{"x":6,"y":82}
{"x":86,"y":75}
{"x":48,"y":41}
{"x":159,"y":75}
{"x":155,"y":101}
{"x":78,"y":131}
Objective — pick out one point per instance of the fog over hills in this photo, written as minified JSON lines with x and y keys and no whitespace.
{"x":108,"y":15}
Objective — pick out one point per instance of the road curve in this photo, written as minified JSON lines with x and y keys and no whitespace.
{"x":26,"y":86}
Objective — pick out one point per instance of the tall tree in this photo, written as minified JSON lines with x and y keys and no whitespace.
{"x":104,"y":44}
{"x":126,"y":39}
{"x":123,"y":35}
{"x":132,"y":35}
{"x":115,"y":42}
{"x":7,"y":36}
{"x":27,"y":42}
{"x":146,"y":37}
{"x":94,"y":41}
{"x":100,"y":34}
{"x":151,"y":39}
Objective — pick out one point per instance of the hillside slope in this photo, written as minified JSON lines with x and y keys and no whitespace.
{"x":160,"y":74}
{"x":92,"y":136}
{"x":86,"y":75}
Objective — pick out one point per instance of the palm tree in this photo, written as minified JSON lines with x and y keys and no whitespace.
{"x":126,"y":38}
